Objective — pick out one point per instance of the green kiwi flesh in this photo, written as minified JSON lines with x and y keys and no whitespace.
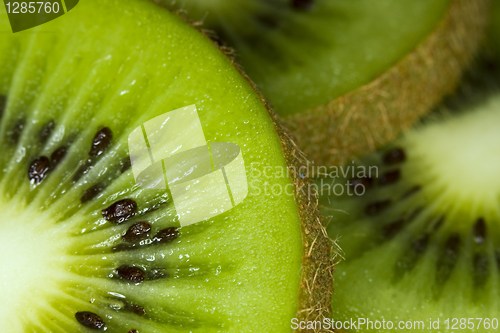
{"x":420,"y":230}
{"x":347,"y":76}
{"x":82,"y":246}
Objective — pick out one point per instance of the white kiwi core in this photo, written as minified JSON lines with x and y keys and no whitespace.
{"x":468,"y":148}
{"x":31,"y":257}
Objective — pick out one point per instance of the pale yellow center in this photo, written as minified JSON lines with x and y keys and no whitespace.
{"x":31,"y":263}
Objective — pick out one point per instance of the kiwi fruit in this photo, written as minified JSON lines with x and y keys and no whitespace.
{"x":85,"y":246}
{"x":346,"y":76}
{"x":418,"y":222}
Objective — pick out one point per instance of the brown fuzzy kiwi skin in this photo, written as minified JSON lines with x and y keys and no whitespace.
{"x":374,"y":114}
{"x":319,"y":251}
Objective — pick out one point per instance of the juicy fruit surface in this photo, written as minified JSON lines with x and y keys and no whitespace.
{"x":82,"y":246}
{"x":424,"y":240}
{"x":304,"y":53}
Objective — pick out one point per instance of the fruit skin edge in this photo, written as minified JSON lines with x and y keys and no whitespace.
{"x":376,"y":113}
{"x":320,"y":251}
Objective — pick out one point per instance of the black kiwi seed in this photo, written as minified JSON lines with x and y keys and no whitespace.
{"x":448,"y":258}
{"x":82,"y":170}
{"x":376,"y":207}
{"x":394,"y":156}
{"x":134,"y":308}
{"x":46,"y":131}
{"x":131,"y":273}
{"x":415,"y":189}
{"x":481,"y":269}
{"x":302,"y":4}
{"x":123,"y":247}
{"x":101,"y":141}
{"x":120,"y":211}
{"x":366,"y":182}
{"x":452,"y":246}
{"x":268,"y":21}
{"x":438,"y":222}
{"x":413,"y":254}
{"x":125,"y":164}
{"x":14,"y":134}
{"x":419,"y":245}
{"x":133,"y":331}
{"x":167,"y":235}
{"x":91,"y":193}
{"x":3,"y":104}
{"x":414,"y":213}
{"x":58,"y":155}
{"x":390,"y":177}
{"x":90,"y":320}
{"x":38,"y":170}
{"x":479,"y":231}
{"x":137,"y":232}
{"x":392,"y":229}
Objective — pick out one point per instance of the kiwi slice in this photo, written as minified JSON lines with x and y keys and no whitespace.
{"x":419,"y":225}
{"x":87,"y":244}
{"x":347,"y":75}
